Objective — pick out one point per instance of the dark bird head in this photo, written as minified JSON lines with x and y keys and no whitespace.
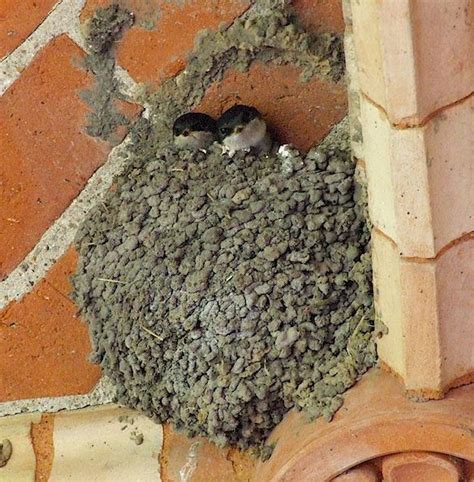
{"x":235,"y":119}
{"x":242,"y":128}
{"x":194,"y":130}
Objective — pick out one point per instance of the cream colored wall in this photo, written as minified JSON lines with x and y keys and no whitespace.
{"x":411,"y":85}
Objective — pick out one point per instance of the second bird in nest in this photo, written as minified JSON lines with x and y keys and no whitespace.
{"x":242,"y":128}
{"x":194,"y":131}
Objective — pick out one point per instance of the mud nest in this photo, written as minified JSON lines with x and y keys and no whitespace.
{"x":222,"y":292}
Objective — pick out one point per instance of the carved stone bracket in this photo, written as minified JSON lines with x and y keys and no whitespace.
{"x":432,"y":439}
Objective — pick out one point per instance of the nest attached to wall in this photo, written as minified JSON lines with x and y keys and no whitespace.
{"x":219,"y":292}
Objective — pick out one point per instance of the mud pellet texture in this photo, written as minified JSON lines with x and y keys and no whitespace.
{"x":222,"y":292}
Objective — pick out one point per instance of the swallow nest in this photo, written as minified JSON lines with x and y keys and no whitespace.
{"x":220,"y":293}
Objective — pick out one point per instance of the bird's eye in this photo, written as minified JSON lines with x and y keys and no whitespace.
{"x":224,"y":131}
{"x":185,"y":133}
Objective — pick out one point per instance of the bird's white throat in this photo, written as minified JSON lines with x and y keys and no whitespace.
{"x":195,"y":140}
{"x":252,"y":135}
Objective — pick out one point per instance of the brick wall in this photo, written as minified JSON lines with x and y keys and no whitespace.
{"x":415,"y":105}
{"x":48,"y":162}
{"x":52,"y":172}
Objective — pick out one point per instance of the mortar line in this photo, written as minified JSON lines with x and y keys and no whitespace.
{"x":60,"y":235}
{"x":469,"y":236}
{"x":423,"y":122}
{"x":128,"y":86}
{"x":20,"y":281}
{"x":31,"y":35}
{"x":62,"y":17}
{"x":103,"y":393}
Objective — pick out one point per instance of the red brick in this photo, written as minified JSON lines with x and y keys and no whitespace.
{"x":18,"y":19}
{"x":320,"y":15}
{"x":153,"y":55}
{"x":421,"y":467}
{"x":43,"y":445}
{"x":44,"y":345}
{"x":130,"y":111}
{"x":298,"y":113}
{"x":144,"y":10}
{"x":46,"y":158}
{"x":212,"y":463}
{"x":362,"y":473}
{"x":376,"y":419}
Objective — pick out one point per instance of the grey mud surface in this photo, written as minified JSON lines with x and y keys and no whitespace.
{"x":220,"y":293}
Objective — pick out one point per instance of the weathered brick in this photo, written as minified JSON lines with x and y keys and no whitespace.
{"x":21,"y":464}
{"x":300,"y":113}
{"x":223,"y":463}
{"x":320,"y":15}
{"x":42,"y":438}
{"x":421,"y":466}
{"x":427,"y":306}
{"x":18,"y":20}
{"x":150,"y":55}
{"x":361,"y":473}
{"x":46,"y":156}
{"x":420,"y":179}
{"x":44,"y":344}
{"x":414,"y":57}
{"x":106,"y":443}
{"x":376,"y":419}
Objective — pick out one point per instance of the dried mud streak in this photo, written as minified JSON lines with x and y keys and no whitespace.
{"x":104,"y":29}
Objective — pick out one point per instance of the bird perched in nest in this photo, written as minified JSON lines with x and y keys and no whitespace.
{"x":194,"y":130}
{"x":242,"y":128}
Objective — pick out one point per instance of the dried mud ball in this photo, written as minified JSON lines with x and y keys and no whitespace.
{"x":222,"y":292}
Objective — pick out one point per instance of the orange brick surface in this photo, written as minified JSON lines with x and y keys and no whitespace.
{"x":44,"y":345}
{"x":18,"y":19}
{"x":143,"y":10}
{"x":298,"y":113}
{"x":362,"y":473}
{"x":376,"y":419}
{"x":211,"y":462}
{"x":153,"y":55}
{"x":43,"y":445}
{"x":46,"y":158}
{"x":320,"y":15}
{"x":422,"y":467}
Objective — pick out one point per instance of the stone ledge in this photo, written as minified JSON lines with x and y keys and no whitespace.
{"x":420,"y":179}
{"x":398,"y":66}
{"x":375,"y":420}
{"x":427,"y":306}
{"x":103,"y":444}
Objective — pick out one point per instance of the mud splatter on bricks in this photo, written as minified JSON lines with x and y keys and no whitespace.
{"x":104,"y":29}
{"x":266,"y":33}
